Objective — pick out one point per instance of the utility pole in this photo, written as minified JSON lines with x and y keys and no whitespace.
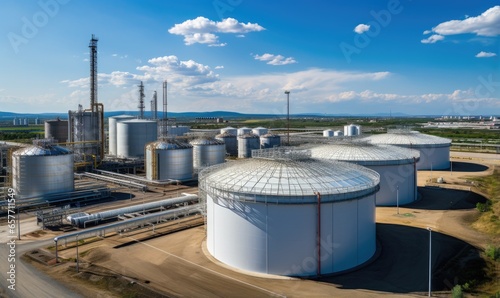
{"x":288,"y":116}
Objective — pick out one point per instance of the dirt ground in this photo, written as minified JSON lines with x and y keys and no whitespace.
{"x":177,"y":265}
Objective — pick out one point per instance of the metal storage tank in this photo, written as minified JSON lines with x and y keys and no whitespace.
{"x":284,"y":213}
{"x":395,"y":165}
{"x":112,"y":121}
{"x":352,"y":130}
{"x":230,"y":141}
{"x":270,"y":141}
{"x":169,"y":159}
{"x":328,"y":133}
{"x":207,"y":152}
{"x":260,"y":131}
{"x":42,"y":169}
{"x":247,"y":143}
{"x":57,"y":130}
{"x":434,"y":151}
{"x":338,"y":133}
{"x":178,"y":130}
{"x":230,"y":130}
{"x":133,"y":135}
{"x":244,"y":130}
{"x":84,"y":127}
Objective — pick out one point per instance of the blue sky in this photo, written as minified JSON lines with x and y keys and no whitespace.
{"x":359,"y":57}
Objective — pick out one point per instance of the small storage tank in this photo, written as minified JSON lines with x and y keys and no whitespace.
{"x":270,"y":141}
{"x":328,"y":133}
{"x":169,"y":159}
{"x":434,"y":151}
{"x":230,"y":130}
{"x":230,"y":141}
{"x":352,"y":130}
{"x":247,"y":143}
{"x":395,"y":165}
{"x":285,"y":213}
{"x":338,"y":133}
{"x":244,"y":130}
{"x":260,"y":131}
{"x":42,"y":169}
{"x":207,"y":152}
{"x":56,"y":129}
{"x":133,"y":135}
{"x":112,"y":121}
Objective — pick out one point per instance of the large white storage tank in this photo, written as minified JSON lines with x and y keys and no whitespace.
{"x":112,"y":121}
{"x":270,"y":140}
{"x":56,"y":129}
{"x":244,"y":130}
{"x":207,"y":152}
{"x":133,"y":135}
{"x":395,"y":165}
{"x":230,"y":141}
{"x":260,"y":131}
{"x":434,"y":151}
{"x":352,"y":130}
{"x":284,"y":213}
{"x":328,"y":133}
{"x":230,"y":130}
{"x":169,"y":159}
{"x":42,"y":169}
{"x":247,"y":143}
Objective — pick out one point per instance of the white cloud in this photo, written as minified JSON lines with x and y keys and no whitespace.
{"x":483,"y":54}
{"x":361,"y":28}
{"x":219,"y":67}
{"x":486,"y":24}
{"x":202,"y":30}
{"x":427,"y":32}
{"x":275,"y":59}
{"x":432,"y":39}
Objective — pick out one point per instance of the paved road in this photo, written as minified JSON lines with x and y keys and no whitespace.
{"x":29,"y":281}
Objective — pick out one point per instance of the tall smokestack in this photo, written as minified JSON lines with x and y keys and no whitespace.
{"x":93,"y":71}
{"x":141,"y":101}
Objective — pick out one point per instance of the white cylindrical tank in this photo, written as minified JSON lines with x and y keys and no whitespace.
{"x":169,"y":159}
{"x":230,"y":141}
{"x":56,"y":129}
{"x":338,"y":133}
{"x":41,"y":170}
{"x":230,"y":130}
{"x":247,"y":143}
{"x":272,"y":214}
{"x":352,"y":130}
{"x":395,"y":165}
{"x":260,"y":131}
{"x":178,"y":130}
{"x":244,"y":130}
{"x":270,"y":141}
{"x":112,"y":131}
{"x":207,"y":152}
{"x":434,"y":151}
{"x":133,"y":135}
{"x":328,"y":133}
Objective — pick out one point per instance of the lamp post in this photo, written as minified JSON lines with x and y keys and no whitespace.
{"x":77,"y":261}
{"x":430,"y":259}
{"x":288,"y":116}
{"x":397,"y":198}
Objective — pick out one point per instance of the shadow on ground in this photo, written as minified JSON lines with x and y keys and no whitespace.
{"x":402,"y":266}
{"x":435,"y":198}
{"x":468,"y":167}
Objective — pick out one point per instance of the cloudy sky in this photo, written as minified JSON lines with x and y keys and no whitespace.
{"x":359,"y":57}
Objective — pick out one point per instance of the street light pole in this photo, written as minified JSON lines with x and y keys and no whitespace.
{"x":397,"y":198}
{"x":288,"y":115}
{"x":430,"y":259}
{"x":77,"y":261}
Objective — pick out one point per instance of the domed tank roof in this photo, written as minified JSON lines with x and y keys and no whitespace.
{"x":206,"y":142}
{"x":408,"y":138}
{"x":290,"y":176}
{"x":248,"y":136}
{"x":270,"y":135}
{"x":168,"y":145}
{"x":35,"y":150}
{"x":123,"y":117}
{"x":364,"y":153}
{"x":137,"y":121}
{"x":225,"y":134}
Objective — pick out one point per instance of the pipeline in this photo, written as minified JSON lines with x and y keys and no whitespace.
{"x":122,"y":182}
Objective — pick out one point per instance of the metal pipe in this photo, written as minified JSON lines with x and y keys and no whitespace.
{"x":318,"y":236}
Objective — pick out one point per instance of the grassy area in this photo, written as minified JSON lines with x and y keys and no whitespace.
{"x":21,"y":134}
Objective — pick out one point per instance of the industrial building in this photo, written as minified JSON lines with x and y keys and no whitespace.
{"x":271,"y":214}
{"x":434,"y":151}
{"x":395,"y":165}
